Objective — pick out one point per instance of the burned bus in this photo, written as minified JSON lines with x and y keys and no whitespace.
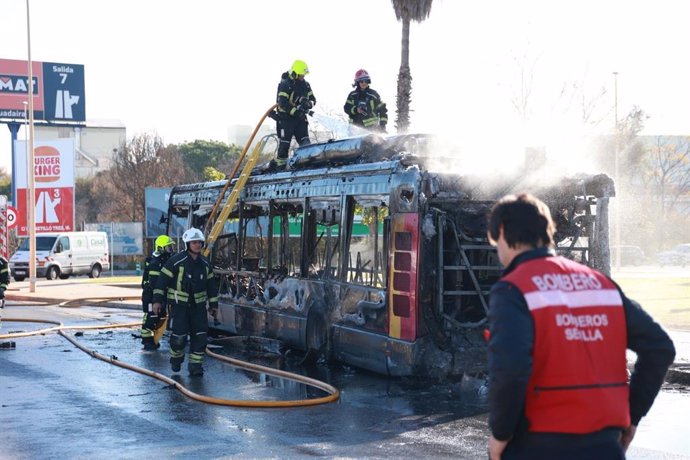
{"x":362,"y":252}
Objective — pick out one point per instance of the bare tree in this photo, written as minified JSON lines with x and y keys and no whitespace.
{"x":142,"y":162}
{"x":406,"y":11}
{"x":669,"y":159}
{"x":520,"y":98}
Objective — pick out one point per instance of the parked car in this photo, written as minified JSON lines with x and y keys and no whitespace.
{"x":630,"y":255}
{"x":680,"y":255}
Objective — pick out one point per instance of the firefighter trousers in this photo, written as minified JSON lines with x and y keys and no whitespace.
{"x":188,"y":321}
{"x":288,"y":127}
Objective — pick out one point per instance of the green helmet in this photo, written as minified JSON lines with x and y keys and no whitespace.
{"x":300,"y":67}
{"x":164,"y":242}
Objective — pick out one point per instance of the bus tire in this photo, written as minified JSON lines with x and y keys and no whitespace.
{"x":318,"y":337}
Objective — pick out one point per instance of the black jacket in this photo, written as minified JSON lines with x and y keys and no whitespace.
{"x":290,"y":93}
{"x":187,"y":281}
{"x":4,"y":273}
{"x":152,"y":270}
{"x":376,"y":114}
{"x":510,"y":354}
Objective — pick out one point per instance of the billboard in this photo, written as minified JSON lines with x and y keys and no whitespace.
{"x":57,"y":89}
{"x":53,"y":185}
{"x":126,"y":237}
{"x":156,"y":210}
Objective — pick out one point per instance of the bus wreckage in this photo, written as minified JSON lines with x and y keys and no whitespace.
{"x":361,"y":252}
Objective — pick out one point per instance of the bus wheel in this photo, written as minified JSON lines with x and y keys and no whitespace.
{"x":318,"y":338}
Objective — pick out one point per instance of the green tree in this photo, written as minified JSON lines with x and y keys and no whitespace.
{"x":199,"y":155}
{"x":406,"y":11}
{"x":5,"y":183}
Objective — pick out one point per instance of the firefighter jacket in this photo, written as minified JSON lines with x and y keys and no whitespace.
{"x":186,"y":281}
{"x":152,"y":270}
{"x":557,"y":362}
{"x":292,"y":93}
{"x":4,"y":274}
{"x":375,"y":111}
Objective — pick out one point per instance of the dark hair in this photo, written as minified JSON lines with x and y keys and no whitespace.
{"x":525,"y":219}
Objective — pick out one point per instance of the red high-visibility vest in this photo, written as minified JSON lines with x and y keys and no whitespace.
{"x":579,"y":381}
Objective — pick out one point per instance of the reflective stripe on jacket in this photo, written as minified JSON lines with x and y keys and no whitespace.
{"x":290,"y":90}
{"x":578,"y":382}
{"x":186,"y":281}
{"x":377,"y":112}
{"x":152,"y":270}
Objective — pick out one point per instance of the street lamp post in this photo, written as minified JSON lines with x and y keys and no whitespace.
{"x":616,"y":173}
{"x":31,"y":210}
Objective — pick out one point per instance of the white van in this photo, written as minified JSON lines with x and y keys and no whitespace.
{"x":63,"y":254}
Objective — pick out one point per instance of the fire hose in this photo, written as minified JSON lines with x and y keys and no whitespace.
{"x":333,"y":393}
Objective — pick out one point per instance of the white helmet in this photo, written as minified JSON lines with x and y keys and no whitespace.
{"x":193,"y":234}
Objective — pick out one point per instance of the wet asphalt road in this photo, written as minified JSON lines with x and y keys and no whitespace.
{"x":57,"y":401}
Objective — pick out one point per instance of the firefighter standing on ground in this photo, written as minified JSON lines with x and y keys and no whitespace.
{"x":4,"y":277}
{"x":163,"y":249}
{"x":364,"y":105}
{"x":558,"y":382}
{"x":295,"y":100}
{"x":187,"y":284}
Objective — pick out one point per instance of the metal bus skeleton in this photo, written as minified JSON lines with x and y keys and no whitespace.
{"x":406,"y":296}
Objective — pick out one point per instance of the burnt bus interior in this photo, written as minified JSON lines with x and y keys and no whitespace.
{"x":342,"y":242}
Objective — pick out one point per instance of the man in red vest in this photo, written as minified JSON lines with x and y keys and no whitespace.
{"x":558,"y":380}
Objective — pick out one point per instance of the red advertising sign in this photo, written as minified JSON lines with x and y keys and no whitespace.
{"x":57,"y":89}
{"x":53,"y":173}
{"x":14,"y":86}
{"x":54,"y":210}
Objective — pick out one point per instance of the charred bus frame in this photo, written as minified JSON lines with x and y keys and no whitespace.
{"x":408,"y":298}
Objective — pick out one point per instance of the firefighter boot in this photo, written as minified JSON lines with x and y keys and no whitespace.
{"x":176,"y":364}
{"x":281,"y":164}
{"x":195,"y":369}
{"x":150,"y":344}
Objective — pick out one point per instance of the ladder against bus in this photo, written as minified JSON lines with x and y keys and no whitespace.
{"x":230,"y":203}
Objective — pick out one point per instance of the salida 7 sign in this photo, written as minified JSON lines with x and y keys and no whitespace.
{"x":54,"y":187}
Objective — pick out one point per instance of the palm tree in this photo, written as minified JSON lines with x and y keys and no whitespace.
{"x":406,"y":11}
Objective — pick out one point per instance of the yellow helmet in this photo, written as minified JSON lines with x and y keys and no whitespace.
{"x":300,"y":67}
{"x":163,"y":242}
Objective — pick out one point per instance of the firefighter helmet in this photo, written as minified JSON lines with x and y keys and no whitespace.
{"x":300,"y":67}
{"x":193,"y":234}
{"x":361,"y":75}
{"x":164,"y":242}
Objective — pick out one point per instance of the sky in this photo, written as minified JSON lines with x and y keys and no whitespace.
{"x":189,"y":70}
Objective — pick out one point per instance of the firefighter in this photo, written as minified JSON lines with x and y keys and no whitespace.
{"x":558,"y":379}
{"x":295,"y":100}
{"x":364,"y":105}
{"x":187,"y":284}
{"x":164,"y":246}
{"x":4,"y":277}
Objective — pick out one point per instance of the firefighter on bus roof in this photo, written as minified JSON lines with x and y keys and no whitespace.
{"x":364,"y":105}
{"x":164,"y":246}
{"x":187,"y":284}
{"x":295,"y":100}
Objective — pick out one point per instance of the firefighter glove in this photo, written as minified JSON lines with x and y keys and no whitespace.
{"x":305,"y":102}
{"x":2,"y":293}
